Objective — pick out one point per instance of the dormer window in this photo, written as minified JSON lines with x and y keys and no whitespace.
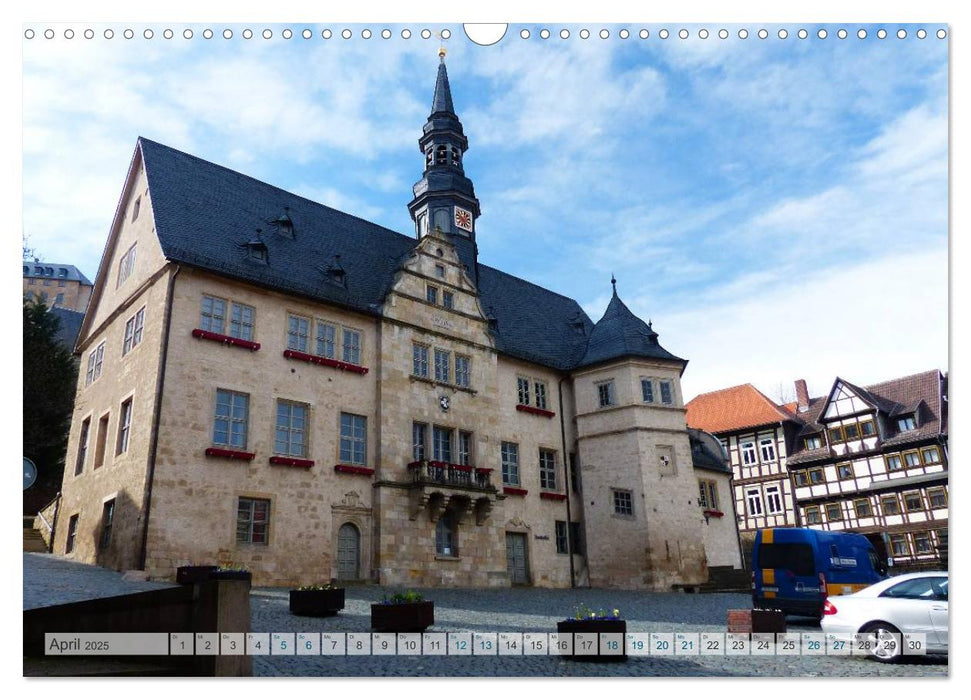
{"x":284,"y":224}
{"x":906,"y":423}
{"x":62,"y":272}
{"x":813,"y":442}
{"x":256,"y":249}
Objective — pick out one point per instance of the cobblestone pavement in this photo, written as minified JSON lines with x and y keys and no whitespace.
{"x":51,"y":580}
{"x":538,"y":610}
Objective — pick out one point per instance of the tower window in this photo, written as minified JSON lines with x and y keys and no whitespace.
{"x":441,"y":155}
{"x":456,"y":156}
{"x":429,"y":158}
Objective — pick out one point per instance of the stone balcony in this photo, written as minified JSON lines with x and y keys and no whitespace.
{"x":438,"y":486}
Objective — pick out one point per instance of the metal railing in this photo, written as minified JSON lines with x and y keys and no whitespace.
{"x":447,"y":474}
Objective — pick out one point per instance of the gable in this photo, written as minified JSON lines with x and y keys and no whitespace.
{"x":844,"y":401}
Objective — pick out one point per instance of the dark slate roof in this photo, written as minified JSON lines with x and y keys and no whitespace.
{"x":622,"y":334}
{"x":206,"y":214}
{"x":920,"y":393}
{"x":706,"y":452}
{"x":442,"y":101}
{"x":70,"y":326}
{"x":51,"y":270}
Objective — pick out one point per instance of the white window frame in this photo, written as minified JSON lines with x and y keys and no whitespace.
{"x":463,"y":371}
{"x":749,"y":453}
{"x":547,"y":469}
{"x":767,"y":450}
{"x":244,"y":329}
{"x":124,"y":426}
{"x":352,"y":444}
{"x":522,"y":387}
{"x":419,"y":359}
{"x":95,"y":363}
{"x":753,"y":502}
{"x":235,"y":426}
{"x":606,"y":394}
{"x":774,"y":497}
{"x":509,"y":454}
{"x":210,"y":319}
{"x":647,"y":390}
{"x":443,"y":362}
{"x":295,"y":439}
{"x":298,"y":333}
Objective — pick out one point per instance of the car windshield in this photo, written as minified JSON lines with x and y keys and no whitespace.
{"x":925,"y":588}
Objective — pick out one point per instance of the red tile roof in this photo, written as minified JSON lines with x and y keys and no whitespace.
{"x":733,"y":409}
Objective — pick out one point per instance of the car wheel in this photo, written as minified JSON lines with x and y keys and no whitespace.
{"x":887,"y":640}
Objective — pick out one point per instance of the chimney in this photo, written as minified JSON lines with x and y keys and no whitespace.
{"x":802,"y":396}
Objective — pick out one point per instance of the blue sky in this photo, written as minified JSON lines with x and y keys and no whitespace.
{"x":777,"y":207}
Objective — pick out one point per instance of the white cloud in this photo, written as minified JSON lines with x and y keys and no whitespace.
{"x":866,"y":321}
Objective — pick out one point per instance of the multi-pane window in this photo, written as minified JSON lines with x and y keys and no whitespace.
{"x":442,"y":444}
{"x":930,"y":455}
{"x":912,"y":459}
{"x":867,"y":428}
{"x":291,"y":429}
{"x":834,"y":511}
{"x":906,"y":423}
{"x":547,"y":469}
{"x":353,"y":439}
{"x":510,"y":463}
{"x":753,"y":497}
{"x":82,"y":446}
{"x":448,"y":299}
{"x":465,"y":448}
{"x":773,"y":500}
{"x":605,"y":392}
{"x":623,"y":503}
{"x":748,"y":453}
{"x":576,"y":538}
{"x":667,"y":396}
{"x":241,"y":320}
{"x":913,"y":501}
{"x":767,"y":448}
{"x":844,"y":471}
{"x":937,"y":497}
{"x":126,"y":266}
{"x":419,"y":360}
{"x":419,"y":449}
{"x":298,"y":333}
{"x":231,"y":419}
{"x":540,"y":390}
{"x":431,"y":294}
{"x":816,"y":476}
{"x":899,"y":546}
{"x":107,"y":521}
{"x":835,"y":435}
{"x":801,"y":478}
{"x":99,"y":448}
{"x":922,"y":543}
{"x":647,"y":390}
{"x":445,"y":539}
{"x":889,"y":505}
{"x":72,"y":534}
{"x":124,"y":427}
{"x":851,"y":431}
{"x":252,"y":521}
{"x":708,"y":494}
{"x":813,"y":442}
{"x":351,"y":345}
{"x":462,"y":371}
{"x":522,"y":385}
{"x":894,"y":462}
{"x":133,"y":331}
{"x":442,"y":365}
{"x":812,"y":515}
{"x":561,"y":535}
{"x":326,"y":339}
{"x":862,"y":508}
{"x":212,"y":316}
{"x":95,"y":361}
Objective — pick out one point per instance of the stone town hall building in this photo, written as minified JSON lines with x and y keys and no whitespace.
{"x":270,"y":382}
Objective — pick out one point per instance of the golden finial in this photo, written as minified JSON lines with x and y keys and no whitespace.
{"x":441,"y":45}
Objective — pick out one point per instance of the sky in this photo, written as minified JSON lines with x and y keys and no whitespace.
{"x":777,"y":207}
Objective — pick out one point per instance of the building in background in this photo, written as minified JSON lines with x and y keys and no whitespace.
{"x":57,"y":285}
{"x":869,"y":459}
{"x":276,"y":384}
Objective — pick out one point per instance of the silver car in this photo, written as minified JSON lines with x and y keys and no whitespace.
{"x":911,"y":603}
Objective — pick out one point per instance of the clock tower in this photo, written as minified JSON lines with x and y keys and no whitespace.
{"x":444,"y":197}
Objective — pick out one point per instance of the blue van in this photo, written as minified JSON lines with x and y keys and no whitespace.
{"x":795,"y":568}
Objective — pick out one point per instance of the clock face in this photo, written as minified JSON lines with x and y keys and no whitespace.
{"x":463,"y":219}
{"x":443,"y":402}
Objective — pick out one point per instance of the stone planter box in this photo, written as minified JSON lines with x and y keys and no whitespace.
{"x":232,"y":575}
{"x":594,"y":627}
{"x":323,"y":603}
{"x":402,"y":617}
{"x":188,"y":575}
{"x":756,"y":621}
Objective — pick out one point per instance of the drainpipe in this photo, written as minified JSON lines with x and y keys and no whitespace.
{"x":153,"y":442}
{"x":566,"y":485}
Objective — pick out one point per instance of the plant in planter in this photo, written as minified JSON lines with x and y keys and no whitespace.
{"x":194,"y":573}
{"x":319,"y":600}
{"x":403,"y":612}
{"x":232,"y":572}
{"x":585,"y":620}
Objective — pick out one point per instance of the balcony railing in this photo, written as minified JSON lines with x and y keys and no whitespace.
{"x":447,"y":474}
